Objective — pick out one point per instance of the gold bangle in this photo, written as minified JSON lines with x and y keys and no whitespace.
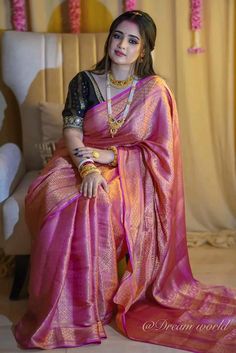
{"x":115,"y":160}
{"x":91,"y":171}
{"x":87,"y":169}
{"x":85,"y":172}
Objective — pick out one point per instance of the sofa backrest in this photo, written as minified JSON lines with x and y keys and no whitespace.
{"x":38,"y":67}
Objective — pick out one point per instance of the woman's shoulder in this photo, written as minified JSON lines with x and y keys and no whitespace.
{"x":80,"y":76}
{"x":86,"y":78}
{"x":158,"y":81}
{"x":80,"y":82}
{"x":158,"y":85}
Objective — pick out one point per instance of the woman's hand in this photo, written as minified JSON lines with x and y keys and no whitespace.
{"x":98,"y":155}
{"x":90,"y":183}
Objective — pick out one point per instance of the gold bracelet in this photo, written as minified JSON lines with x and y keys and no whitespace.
{"x":91,"y":171}
{"x":88,"y":168}
{"x":115,"y":160}
{"x":86,"y":171}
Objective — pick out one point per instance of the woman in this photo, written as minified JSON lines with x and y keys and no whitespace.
{"x":115,"y":187}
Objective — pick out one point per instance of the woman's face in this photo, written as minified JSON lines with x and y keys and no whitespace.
{"x":125,"y":44}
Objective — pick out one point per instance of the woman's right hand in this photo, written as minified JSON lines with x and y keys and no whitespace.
{"x":90,"y":183}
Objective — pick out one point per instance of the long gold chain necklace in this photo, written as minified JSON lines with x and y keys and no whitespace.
{"x":120,"y":83}
{"x":115,"y":124}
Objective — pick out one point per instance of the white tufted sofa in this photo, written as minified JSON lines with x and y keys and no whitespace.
{"x":37,"y":67}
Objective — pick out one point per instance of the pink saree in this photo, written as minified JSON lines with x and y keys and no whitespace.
{"x":78,"y":242}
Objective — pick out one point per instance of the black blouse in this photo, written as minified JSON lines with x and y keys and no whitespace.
{"x":83,"y":93}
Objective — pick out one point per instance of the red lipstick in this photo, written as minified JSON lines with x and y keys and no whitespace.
{"x":119,"y":53}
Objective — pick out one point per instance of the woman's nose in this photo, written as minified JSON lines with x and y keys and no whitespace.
{"x":122,"y":43}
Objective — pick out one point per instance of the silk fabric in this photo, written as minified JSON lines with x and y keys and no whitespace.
{"x":77,"y":242}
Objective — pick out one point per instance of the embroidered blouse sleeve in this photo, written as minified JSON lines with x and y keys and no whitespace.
{"x":76,"y":103}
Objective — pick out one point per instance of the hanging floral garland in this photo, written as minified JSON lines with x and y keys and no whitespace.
{"x":18,"y":15}
{"x":196,"y":25}
{"x":130,"y":5}
{"x":74,"y":15}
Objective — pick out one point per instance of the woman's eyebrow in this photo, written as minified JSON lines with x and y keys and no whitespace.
{"x":130,"y":35}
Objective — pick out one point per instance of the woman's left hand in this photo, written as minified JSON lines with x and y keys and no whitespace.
{"x":98,"y":155}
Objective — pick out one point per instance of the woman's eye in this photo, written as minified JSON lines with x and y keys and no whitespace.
{"x":132,"y":41}
{"x":116,"y":36}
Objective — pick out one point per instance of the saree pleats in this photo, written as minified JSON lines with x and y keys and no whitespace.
{"x":77,"y":242}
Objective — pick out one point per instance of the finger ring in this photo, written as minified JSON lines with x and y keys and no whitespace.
{"x":96,"y":154}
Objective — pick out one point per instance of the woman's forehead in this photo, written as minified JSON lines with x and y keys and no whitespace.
{"x":128,"y":28}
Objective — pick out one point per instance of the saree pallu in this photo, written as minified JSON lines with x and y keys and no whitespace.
{"x":77,"y":242}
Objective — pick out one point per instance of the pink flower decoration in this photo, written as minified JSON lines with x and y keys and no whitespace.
{"x":196,"y":50}
{"x":74,"y":15}
{"x":196,"y":19}
{"x":196,"y":25}
{"x":130,"y":5}
{"x":18,"y":16}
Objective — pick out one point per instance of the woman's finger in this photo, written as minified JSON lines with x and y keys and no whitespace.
{"x":90,"y":189}
{"x":82,"y":149}
{"x":95,"y":188}
{"x":85,"y":188}
{"x":81,"y":187}
{"x":85,"y":152}
{"x":104,"y":185}
{"x":82,"y":154}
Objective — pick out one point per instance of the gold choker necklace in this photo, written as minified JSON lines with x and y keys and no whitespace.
{"x":120,"y":83}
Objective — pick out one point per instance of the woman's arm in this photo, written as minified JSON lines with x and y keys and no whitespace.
{"x":78,"y":151}
{"x":74,"y":139}
{"x":73,"y":115}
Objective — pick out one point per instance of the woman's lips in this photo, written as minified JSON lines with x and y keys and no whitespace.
{"x":119,"y":53}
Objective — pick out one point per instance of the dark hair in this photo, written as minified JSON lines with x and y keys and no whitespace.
{"x":147,"y":29}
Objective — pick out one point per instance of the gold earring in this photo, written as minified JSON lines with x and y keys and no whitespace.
{"x":141,"y":58}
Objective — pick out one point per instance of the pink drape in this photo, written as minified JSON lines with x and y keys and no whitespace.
{"x":77,"y":242}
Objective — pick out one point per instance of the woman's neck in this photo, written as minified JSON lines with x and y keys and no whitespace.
{"x":120,"y":72}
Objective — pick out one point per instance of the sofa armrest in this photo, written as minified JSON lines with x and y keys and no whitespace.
{"x":12,"y":169}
